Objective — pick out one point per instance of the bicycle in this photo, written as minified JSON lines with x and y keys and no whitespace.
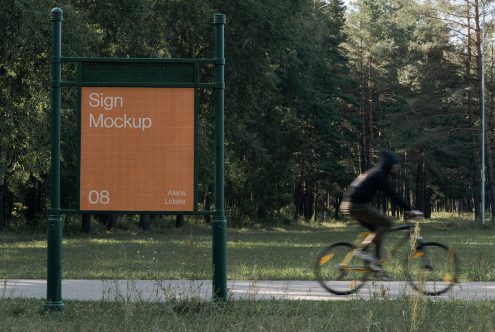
{"x":430,"y":268}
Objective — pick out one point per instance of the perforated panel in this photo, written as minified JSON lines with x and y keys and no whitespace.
{"x":137,"y":72}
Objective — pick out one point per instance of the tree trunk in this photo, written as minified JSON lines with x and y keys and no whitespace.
{"x":336,"y":206}
{"x":208,"y":201}
{"x":479,"y":77}
{"x":309,"y":202}
{"x":3,"y":210}
{"x":491,"y":170}
{"x":427,"y":210}
{"x":299,"y":199}
{"x":9,"y":206}
{"x":3,"y":189}
{"x":314,"y":202}
{"x":365,"y":111}
{"x":369,"y":118}
{"x":491,"y":128}
{"x":491,"y":110}
{"x":109,"y":220}
{"x":366,"y":107}
{"x":32,"y":201}
{"x":407,"y":189}
{"x":144,"y":222}
{"x":423,"y":193}
{"x":179,"y":221}
{"x":474,"y":155}
{"x":86,"y":223}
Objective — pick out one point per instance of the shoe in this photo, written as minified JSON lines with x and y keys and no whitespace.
{"x":368,"y":258}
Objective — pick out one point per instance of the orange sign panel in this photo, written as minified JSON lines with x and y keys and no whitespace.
{"x":137,"y":149}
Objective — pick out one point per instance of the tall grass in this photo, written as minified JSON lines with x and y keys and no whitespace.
{"x":195,"y":315}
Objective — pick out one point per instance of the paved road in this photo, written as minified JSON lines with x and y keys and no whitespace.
{"x":147,"y":290}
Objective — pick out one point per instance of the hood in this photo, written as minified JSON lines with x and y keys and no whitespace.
{"x":387,"y":160}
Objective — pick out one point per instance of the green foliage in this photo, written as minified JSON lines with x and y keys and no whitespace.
{"x":314,"y":90}
{"x":413,"y":79}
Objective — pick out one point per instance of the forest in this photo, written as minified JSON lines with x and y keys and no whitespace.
{"x":314,"y":91}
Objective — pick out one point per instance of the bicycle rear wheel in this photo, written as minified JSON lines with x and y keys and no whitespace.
{"x":432,"y":269}
{"x":339,"y":271}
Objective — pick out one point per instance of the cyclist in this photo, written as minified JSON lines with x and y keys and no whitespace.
{"x":357,"y":199}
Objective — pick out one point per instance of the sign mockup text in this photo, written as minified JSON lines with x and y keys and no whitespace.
{"x":137,"y":149}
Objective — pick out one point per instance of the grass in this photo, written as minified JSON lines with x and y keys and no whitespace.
{"x":413,"y":314}
{"x":277,"y":253}
{"x":169,"y":253}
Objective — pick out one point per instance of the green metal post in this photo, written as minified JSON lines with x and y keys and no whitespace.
{"x":54,"y":262}
{"x":219,"y":245}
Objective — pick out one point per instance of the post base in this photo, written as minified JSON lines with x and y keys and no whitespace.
{"x":219,"y":246}
{"x":54,"y":306}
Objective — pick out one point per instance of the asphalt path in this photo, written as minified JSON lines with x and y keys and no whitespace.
{"x":163,"y":290}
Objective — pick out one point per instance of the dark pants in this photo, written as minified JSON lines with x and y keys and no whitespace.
{"x":371,"y":219}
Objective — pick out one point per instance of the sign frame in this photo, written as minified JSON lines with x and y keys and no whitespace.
{"x":54,"y":219}
{"x":162,"y":73}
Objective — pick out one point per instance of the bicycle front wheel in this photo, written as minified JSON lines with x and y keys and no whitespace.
{"x":339,"y":271}
{"x":432,"y":269}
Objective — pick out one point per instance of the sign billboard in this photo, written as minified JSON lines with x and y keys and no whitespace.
{"x":137,"y":149}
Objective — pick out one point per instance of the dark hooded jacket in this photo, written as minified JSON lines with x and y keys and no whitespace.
{"x":365,"y":187}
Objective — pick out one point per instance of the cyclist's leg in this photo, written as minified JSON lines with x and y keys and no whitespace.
{"x":376,"y":239}
{"x":353,"y":210}
{"x":369,"y":240}
{"x":373,"y":220}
